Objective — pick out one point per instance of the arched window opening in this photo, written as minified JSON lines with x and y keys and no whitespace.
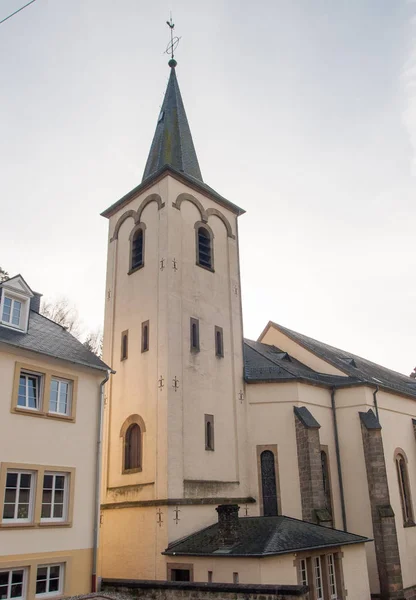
{"x":204,"y":258}
{"x":404,"y":489}
{"x":145,"y":336}
{"x":268,"y":483}
{"x":326,"y":481}
{"x":137,"y":249}
{"x":133,"y":448}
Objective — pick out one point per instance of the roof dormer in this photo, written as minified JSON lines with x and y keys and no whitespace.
{"x":15,"y":297}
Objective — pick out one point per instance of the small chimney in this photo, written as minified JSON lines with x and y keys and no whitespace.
{"x":35,"y":302}
{"x":228,"y":524}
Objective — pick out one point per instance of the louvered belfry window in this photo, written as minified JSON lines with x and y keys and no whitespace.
{"x":137,"y":250}
{"x":132,"y":448}
{"x":268,"y":483}
{"x":204,"y":248}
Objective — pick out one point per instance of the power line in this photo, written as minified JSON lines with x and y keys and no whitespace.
{"x":16,"y":11}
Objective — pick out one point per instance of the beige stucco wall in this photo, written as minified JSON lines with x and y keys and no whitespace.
{"x":26,"y":439}
{"x":276,"y":338}
{"x":174,"y":441}
{"x":354,"y":565}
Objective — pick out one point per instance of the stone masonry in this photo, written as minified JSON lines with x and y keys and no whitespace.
{"x":384,"y":524}
{"x":310,"y":468}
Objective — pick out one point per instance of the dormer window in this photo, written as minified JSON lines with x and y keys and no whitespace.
{"x":12,"y":310}
{"x":15,"y":296}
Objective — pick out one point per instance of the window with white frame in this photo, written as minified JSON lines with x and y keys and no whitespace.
{"x":54,"y":497}
{"x":29,"y":390}
{"x":319,"y":589}
{"x":332,"y":578}
{"x":303,"y":572}
{"x":60,"y":397}
{"x":49,"y":580}
{"x":18,"y":497}
{"x":12,"y":311}
{"x":12,"y":584}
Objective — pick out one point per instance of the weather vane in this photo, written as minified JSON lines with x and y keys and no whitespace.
{"x":173,"y":44}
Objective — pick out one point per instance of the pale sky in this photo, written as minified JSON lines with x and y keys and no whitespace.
{"x":302,"y":112}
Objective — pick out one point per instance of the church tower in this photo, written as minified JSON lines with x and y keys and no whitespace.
{"x":175,"y":417}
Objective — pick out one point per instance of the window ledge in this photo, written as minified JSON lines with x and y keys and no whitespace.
{"x":135,"y":269}
{"x":54,"y":524}
{"x":209,"y":449}
{"x":31,"y":412}
{"x":17,"y":525}
{"x":409,"y":524}
{"x":204,"y":267}
{"x":129,"y":471}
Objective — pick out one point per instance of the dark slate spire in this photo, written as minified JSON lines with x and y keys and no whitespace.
{"x":172,"y":143}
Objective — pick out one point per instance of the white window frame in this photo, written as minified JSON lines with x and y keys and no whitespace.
{"x":317,"y":576}
{"x":24,"y":310}
{"x":40,"y":378}
{"x":303,"y":571}
{"x":332,"y":577}
{"x":64,"y":517}
{"x":57,"y":592}
{"x":31,"y":503}
{"x":60,"y":381}
{"x":9,"y":585}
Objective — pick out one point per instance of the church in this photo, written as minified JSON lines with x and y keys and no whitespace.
{"x":276,"y":461}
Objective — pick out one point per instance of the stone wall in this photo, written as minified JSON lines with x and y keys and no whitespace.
{"x":384,"y":524}
{"x":178,"y":590}
{"x":310,"y":468}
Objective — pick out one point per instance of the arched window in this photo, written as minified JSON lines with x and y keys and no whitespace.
{"x":326,"y":481}
{"x":404,"y":488}
{"x":204,"y":254}
{"x":133,"y":448}
{"x":137,"y":247}
{"x":209,"y":432}
{"x":219,"y":342}
{"x":268,"y":483}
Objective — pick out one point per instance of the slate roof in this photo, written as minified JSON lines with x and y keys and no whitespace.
{"x":172,"y":143}
{"x":46,"y":337}
{"x":264,"y":536}
{"x":354,"y":366}
{"x":265,"y":363}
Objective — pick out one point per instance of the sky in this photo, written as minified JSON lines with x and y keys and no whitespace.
{"x":303,"y":113}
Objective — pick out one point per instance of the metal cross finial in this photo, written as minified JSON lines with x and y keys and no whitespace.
{"x":176,"y":518}
{"x":174,"y":41}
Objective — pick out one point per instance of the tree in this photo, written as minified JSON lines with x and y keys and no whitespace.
{"x":3,"y":275}
{"x":63,"y":313}
{"x":94,"y":342}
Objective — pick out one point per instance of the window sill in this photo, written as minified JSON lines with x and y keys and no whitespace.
{"x":409,"y":524}
{"x":129,"y":471}
{"x":209,"y":449}
{"x":17,"y":525}
{"x":204,"y":267}
{"x":38,"y":413}
{"x":135,"y":269}
{"x":54,"y":524}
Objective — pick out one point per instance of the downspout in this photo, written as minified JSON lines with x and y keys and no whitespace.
{"x":98,"y":484}
{"x":375,"y":402}
{"x":341,"y":485}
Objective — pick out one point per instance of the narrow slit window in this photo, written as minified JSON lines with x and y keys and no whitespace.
{"x":209,"y":576}
{"x":326,"y":481}
{"x":194,"y":335}
{"x":236,"y":578}
{"x":124,"y":345}
{"x":137,"y":249}
{"x":204,"y":256}
{"x":209,"y":432}
{"x":219,"y":342}
{"x":145,"y":336}
{"x":404,"y":489}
